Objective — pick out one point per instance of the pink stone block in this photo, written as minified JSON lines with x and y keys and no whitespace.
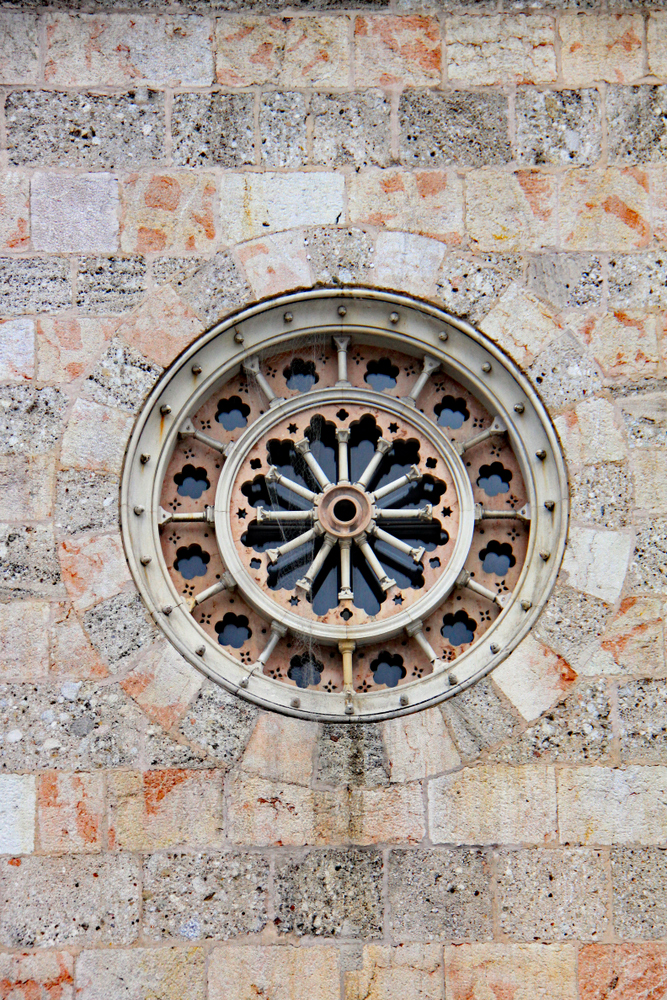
{"x":168,"y":213}
{"x":70,"y":810}
{"x":161,"y":327}
{"x":93,"y":568}
{"x":392,"y":51}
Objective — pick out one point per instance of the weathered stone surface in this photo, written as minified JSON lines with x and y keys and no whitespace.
{"x":649,"y":469}
{"x":524,"y":971}
{"x":591,"y":433}
{"x":95,"y":438}
{"x":163,"y":751}
{"x":110,"y":284}
{"x":462,"y":127}
{"x":71,"y":810}
{"x":166,"y":269}
{"x":478,"y":719}
{"x":317,"y":52}
{"x":214,"y":289}
{"x":172,"y":212}
{"x":250,"y":50}
{"x":605,"y":210}
{"x":72,"y":655}
{"x":500,"y":49}
{"x":40,"y":973}
{"x":637,"y":124}
{"x":74,"y":214}
{"x":596,"y":562}
{"x":551,"y":895}
{"x":161,"y":327}
{"x":559,"y":127}
{"x":340,"y":256}
{"x":285,"y":973}
{"x":19,"y":47}
{"x":213,"y":129}
{"x":17,"y":813}
{"x":261,"y":811}
{"x":656,"y":37}
{"x":640,"y":892}
{"x":351,"y":129}
{"x":633,"y":641}
{"x":642,"y":713}
{"x":86,"y":501}
{"x":571,"y":621}
{"x":510,"y":212}
{"x":330,"y":893}
{"x":469,"y":286}
{"x":205,"y":895}
{"x":276,"y":263}
{"x":70,"y":726}
{"x":50,"y":128}
{"x":219,"y":723}
{"x":171,"y":973}
{"x":602,"y":494}
{"x":604,"y":805}
{"x":413,"y":970}
{"x":281,"y":749}
{"x":645,"y":418}
{"x":252,"y":203}
{"x":577,"y":730}
{"x":649,"y":563}
{"x":568,"y":281}
{"x":564,"y":374}
{"x":93,"y":567}
{"x":397,"y":50}
{"x":405,"y":261}
{"x":418,"y":746}
{"x":602,"y":47}
{"x":282,"y":127}
{"x":623,"y":344}
{"x":119,"y":627}
{"x":24,"y":640}
{"x":638,"y":280}
{"x":15,"y":194}
{"x":122,"y":377}
{"x":352,"y":755}
{"x":26,"y":487}
{"x":163,"y":683}
{"x":533,"y":677}
{"x":425,"y":202}
{"x":440,"y":894}
{"x":630,"y":969}
{"x":34,"y":285}
{"x":28,"y":562}
{"x":67,"y":347}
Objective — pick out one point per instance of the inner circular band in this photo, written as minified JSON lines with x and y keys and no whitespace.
{"x":345,"y":511}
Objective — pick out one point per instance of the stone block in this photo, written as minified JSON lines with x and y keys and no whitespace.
{"x":642,"y":715}
{"x":605,"y":210}
{"x":623,"y":344}
{"x":163,"y":683}
{"x":110,"y":284}
{"x":639,"y":882}
{"x":205,"y":895}
{"x":533,"y":678}
{"x":17,"y":350}
{"x":276,"y":263}
{"x":602,"y":47}
{"x":250,"y":50}
{"x":577,"y":730}
{"x":605,"y":805}
{"x":649,"y":562}
{"x":590,"y":433}
{"x":254,"y":203}
{"x":558,"y":127}
{"x":500,"y":49}
{"x":19,"y":46}
{"x":17,"y":813}
{"x":99,"y":131}
{"x":120,"y":627}
{"x":74,"y":214}
{"x":632,"y":969}
{"x":425,"y":202}
{"x":638,"y":280}
{"x":93,"y":568}
{"x":26,"y":487}
{"x":163,"y":751}
{"x":122,"y":377}
{"x":284,"y":973}
{"x":469,"y":286}
{"x":330,"y":893}
{"x":524,"y":971}
{"x":478,"y":719}
{"x":596,"y":562}
{"x":161,"y":328}
{"x":34,"y":285}
{"x":633,"y":641}
{"x":71,"y":653}
{"x":552,"y":895}
{"x":71,"y":812}
{"x":411,"y":970}
{"x":38,"y":975}
{"x":69,"y":726}
{"x":644,"y":418}
{"x":570,"y":622}
{"x":260,"y":811}
{"x":418,"y":746}
{"x":168,"y":269}
{"x":171,"y":973}
{"x":15,"y":195}
{"x":351,"y":129}
{"x":316,"y":53}
{"x":219,"y":724}
{"x":636,"y":130}
{"x":602,"y":494}
{"x":47,"y":902}
{"x":24,"y":640}
{"x":387,"y":815}
{"x":216,"y":288}
{"x":511,"y":212}
{"x":493,"y":804}
{"x":212,"y":129}
{"x":168,"y":212}
{"x":340,"y":256}
{"x":86,"y":501}
{"x":440,"y":894}
{"x":564,"y":373}
{"x":67,"y":347}
{"x":165,"y":808}
{"x":281,"y":749}
{"x":459,"y":127}
{"x":390,"y":51}
{"x":649,"y":467}
{"x":123,"y":49}
{"x":282,"y":128}
{"x":29,"y":565}
{"x":352,"y":755}
{"x":408,"y":262}
{"x":567,"y":281}
{"x":656,"y":42}
{"x":95,"y":438}
{"x":520,"y":324}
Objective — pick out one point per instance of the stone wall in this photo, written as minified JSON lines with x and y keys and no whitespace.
{"x":158,"y":170}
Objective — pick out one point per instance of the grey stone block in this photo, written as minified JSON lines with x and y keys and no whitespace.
{"x":469,"y":287}
{"x":552,"y":895}
{"x":205,"y":895}
{"x":351,"y":129}
{"x":276,"y":6}
{"x":559,"y":127}
{"x":638,"y":280}
{"x":282,"y":129}
{"x":74,"y":900}
{"x":465,"y":128}
{"x":86,"y":501}
{"x":642,"y":714}
{"x":568,"y":281}
{"x":571,"y":621}
{"x":213,"y":129}
{"x":122,"y":377}
{"x":29,"y":565}
{"x":577,"y":730}
{"x":215,"y":289}
{"x":219,"y":723}
{"x":31,"y":420}
{"x":649,"y":563}
{"x":330,"y":893}
{"x":34,"y":285}
{"x":352,"y":755}
{"x":478,"y":719}
{"x":645,"y":418}
{"x":339,"y":256}
{"x":167,"y":269}
{"x":52,"y":128}
{"x":563,"y":374}
{"x":440,"y":894}
{"x":70,"y":726}
{"x":162,"y":751}
{"x":110,"y":284}
{"x":602,"y":494}
{"x":639,"y":884}
{"x":637,"y":124}
{"x":119,"y":627}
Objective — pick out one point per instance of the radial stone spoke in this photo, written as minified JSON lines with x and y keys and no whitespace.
{"x":381,"y":449}
{"x":430,"y":366}
{"x":424,"y":513}
{"x":397,"y":543}
{"x":226,"y":582}
{"x":166,"y":517}
{"x":345,"y":593}
{"x":376,"y":566}
{"x":274,"y":555}
{"x":278,"y":516}
{"x":306,"y":581}
{"x":343,"y":437}
{"x":303,"y":447}
{"x":464,"y":580}
{"x":497,"y":427}
{"x":410,"y":477}
{"x":273,"y":476}
{"x":251,"y":367}
{"x":482,"y":514}
{"x":188,"y":429}
{"x":342,"y":344}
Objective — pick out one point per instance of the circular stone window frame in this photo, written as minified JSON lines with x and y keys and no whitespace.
{"x":374,"y":317}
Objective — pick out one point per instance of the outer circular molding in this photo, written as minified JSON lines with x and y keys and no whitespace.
{"x":348,"y":432}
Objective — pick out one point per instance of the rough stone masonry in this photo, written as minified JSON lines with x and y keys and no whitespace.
{"x":163,"y":164}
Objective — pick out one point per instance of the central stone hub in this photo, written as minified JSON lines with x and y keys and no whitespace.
{"x":345,"y":511}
